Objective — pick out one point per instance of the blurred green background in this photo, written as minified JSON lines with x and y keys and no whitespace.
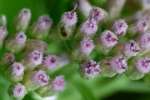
{"x":117,"y":88}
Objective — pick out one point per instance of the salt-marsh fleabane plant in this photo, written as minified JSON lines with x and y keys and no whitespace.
{"x":34,"y":64}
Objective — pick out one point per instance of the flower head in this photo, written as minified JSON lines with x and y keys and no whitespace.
{"x":145,"y":41}
{"x":90,"y":69}
{"x":109,"y":39}
{"x":97,"y":14}
{"x":86,"y":46}
{"x":50,"y":61}
{"x":120,"y":27}
{"x":118,"y":64}
{"x":143,"y":65}
{"x":69,"y":18}
{"x":17,"y":69}
{"x":131,"y":48}
{"x":19,"y":91}
{"x":89,"y":27}
{"x":35,"y":57}
{"x":40,"y":78}
{"x":58,"y":84}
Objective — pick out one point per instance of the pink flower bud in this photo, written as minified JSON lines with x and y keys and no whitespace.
{"x":3,"y":20}
{"x":89,"y":27}
{"x":118,"y":64}
{"x":17,"y":69}
{"x":50,"y":61}
{"x":142,"y":25}
{"x":143,"y":65}
{"x":108,"y":39}
{"x":131,"y":48}
{"x":23,"y":19}
{"x":69,"y":18}
{"x":120,"y":27}
{"x":58,"y":84}
{"x":19,"y":91}
{"x":8,"y":58}
{"x":145,"y":41}
{"x":86,"y":46}
{"x":43,"y":25}
{"x":3,"y":33}
{"x":90,"y":69}
{"x":40,"y":78}
{"x":97,"y":14}
{"x":21,"y":38}
{"x":35,"y":58}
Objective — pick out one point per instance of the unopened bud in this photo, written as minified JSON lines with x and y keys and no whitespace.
{"x":23,"y":19}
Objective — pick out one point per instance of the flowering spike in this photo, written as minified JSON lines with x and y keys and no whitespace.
{"x":108,"y":39}
{"x":23,"y":19}
{"x":40,"y":78}
{"x":89,"y":27}
{"x":118,"y":64}
{"x":86,"y":46}
{"x":90,"y":69}
{"x":120,"y":27}
{"x":58,"y":84}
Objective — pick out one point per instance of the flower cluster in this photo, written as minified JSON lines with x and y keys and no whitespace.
{"x":31,"y":69}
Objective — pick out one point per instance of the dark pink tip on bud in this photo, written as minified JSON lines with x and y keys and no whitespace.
{"x":58,"y":84}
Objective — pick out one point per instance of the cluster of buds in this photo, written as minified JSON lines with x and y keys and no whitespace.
{"x":30,"y":72}
{"x":31,"y":69}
